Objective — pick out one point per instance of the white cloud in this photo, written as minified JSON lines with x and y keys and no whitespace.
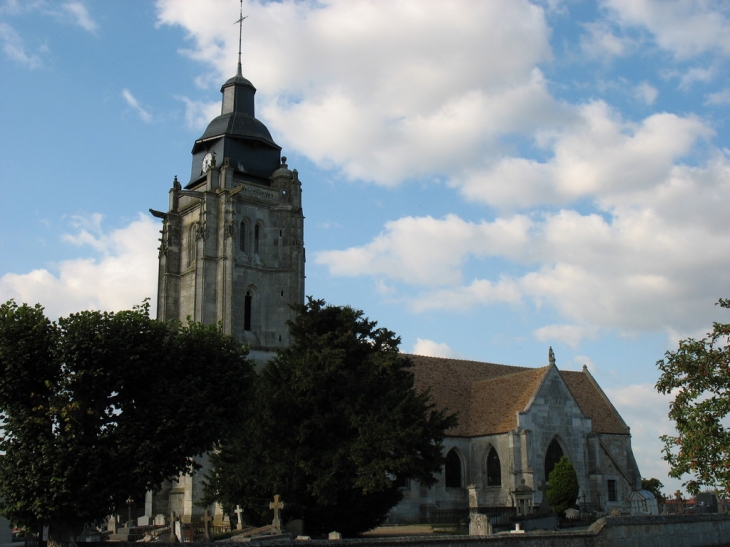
{"x":645,"y":412}
{"x":571,"y":335}
{"x":428,"y":251}
{"x":329,"y":68}
{"x":686,"y":28}
{"x":433,"y":349}
{"x":134,"y":103}
{"x":646,"y":93}
{"x":720,"y":98}
{"x":599,"y":154}
{"x":601,"y":42}
{"x":80,"y":15}
{"x":14,"y":48}
{"x":652,"y":260}
{"x":122,"y":275}
{"x":198,"y":114}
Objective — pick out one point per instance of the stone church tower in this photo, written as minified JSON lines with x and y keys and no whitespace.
{"x":232,"y":250}
{"x":233,"y":239}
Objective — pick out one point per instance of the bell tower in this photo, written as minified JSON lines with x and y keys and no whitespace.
{"x":232,"y":246}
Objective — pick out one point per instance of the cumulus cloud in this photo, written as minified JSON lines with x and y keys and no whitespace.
{"x":599,"y":154}
{"x":571,"y":335}
{"x":684,"y":27}
{"x":130,"y":99}
{"x":121,"y":274}
{"x":474,"y":67}
{"x":652,"y":260}
{"x":433,"y":349}
{"x":645,"y":411}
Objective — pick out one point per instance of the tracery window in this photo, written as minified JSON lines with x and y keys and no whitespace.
{"x":452,"y":471}
{"x":494,"y":469}
{"x":552,"y":456}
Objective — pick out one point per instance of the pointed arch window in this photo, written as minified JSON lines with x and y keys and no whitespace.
{"x":247,"y":306}
{"x":256,"y":234}
{"x":552,"y":456}
{"x":242,"y":233}
{"x":452,"y":471}
{"x":494,"y":469}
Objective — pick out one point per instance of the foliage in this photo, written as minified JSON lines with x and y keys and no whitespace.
{"x":335,"y":420}
{"x":563,"y":486}
{"x":99,"y":407}
{"x":698,"y":375}
{"x":655,"y":487}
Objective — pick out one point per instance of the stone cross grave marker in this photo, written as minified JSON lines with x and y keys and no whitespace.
{"x":239,"y":513}
{"x":277,"y":505}
{"x":206,"y":524}
{"x":545,"y":503}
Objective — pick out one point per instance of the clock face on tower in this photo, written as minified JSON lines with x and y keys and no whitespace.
{"x":208,"y":162}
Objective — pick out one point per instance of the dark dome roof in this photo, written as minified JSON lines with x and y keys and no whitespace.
{"x":237,"y":124}
{"x":237,"y":80}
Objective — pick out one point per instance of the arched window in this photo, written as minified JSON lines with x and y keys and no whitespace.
{"x":552,"y":456}
{"x":452,"y":472}
{"x":494,"y":469}
{"x":256,"y":230}
{"x":242,"y":233}
{"x":247,"y":304}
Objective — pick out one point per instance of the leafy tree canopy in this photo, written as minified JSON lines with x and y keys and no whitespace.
{"x":563,"y":486}
{"x":99,"y":407}
{"x":698,"y":375}
{"x":655,"y":487}
{"x":335,"y":420}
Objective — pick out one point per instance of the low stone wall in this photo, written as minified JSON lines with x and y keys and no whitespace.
{"x":650,"y":531}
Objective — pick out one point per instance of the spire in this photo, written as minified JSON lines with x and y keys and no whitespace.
{"x":240,"y":34}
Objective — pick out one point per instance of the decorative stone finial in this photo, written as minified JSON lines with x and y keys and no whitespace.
{"x":176,"y":184}
{"x":551,"y":356}
{"x":283,"y":161}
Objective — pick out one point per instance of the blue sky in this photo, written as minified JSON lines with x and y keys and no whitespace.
{"x":485,"y":178}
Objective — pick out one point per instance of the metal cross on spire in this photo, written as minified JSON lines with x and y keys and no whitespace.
{"x":240,"y":33}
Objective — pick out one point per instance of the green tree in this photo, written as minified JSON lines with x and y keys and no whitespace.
{"x":698,"y":375}
{"x":562,"y":486}
{"x":655,"y":487}
{"x":98,"y":407}
{"x":336,"y":420}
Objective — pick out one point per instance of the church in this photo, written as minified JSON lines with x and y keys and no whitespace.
{"x":232,"y":252}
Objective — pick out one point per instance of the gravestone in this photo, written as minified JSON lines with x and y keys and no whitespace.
{"x":277,"y":505}
{"x":112,"y":525}
{"x":179,"y":531}
{"x":144,"y":520}
{"x":239,"y":517}
{"x":335,"y":535}
{"x":206,"y":524}
{"x":159,"y":519}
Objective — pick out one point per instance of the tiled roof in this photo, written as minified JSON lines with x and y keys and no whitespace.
{"x":488,"y":396}
{"x":594,"y":403}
